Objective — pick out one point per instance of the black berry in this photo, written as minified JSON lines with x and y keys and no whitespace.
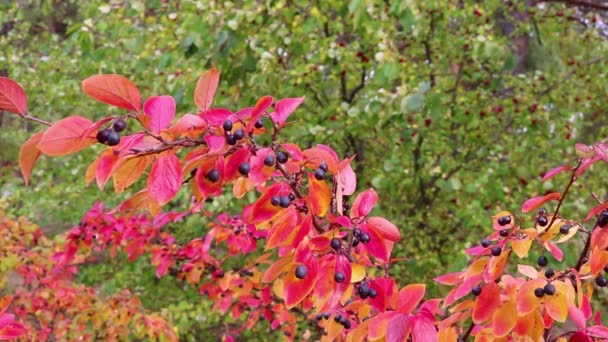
{"x":338,"y":318}
{"x":606,"y":268}
{"x":284,"y":201}
{"x":335,"y":244}
{"x":372,"y":293}
{"x":504,"y":232}
{"x":485,"y":243}
{"x":292,"y":196}
{"x":365,"y":237}
{"x":346,"y":323}
{"x":231,"y":139}
{"x":357,"y":232}
{"x":602,"y":220}
{"x":319,"y":174}
{"x":564,"y":229}
{"x":355,"y":242}
{"x":282,"y":157}
{"x":549,"y":273}
{"x":259,"y":123}
{"x":239,"y":134}
{"x":113,"y":138}
{"x":542,"y":221}
{"x":539,"y":292}
{"x":269,"y":160}
{"x":496,"y":251}
{"x":102,"y":136}
{"x":323,"y":166}
{"x":549,"y":289}
{"x":275,"y":200}
{"x":244,"y":168}
{"x":339,"y":277}
{"x":227,"y":125}
{"x":301,"y":271}
{"x":363,"y":291}
{"x":213,"y":175}
{"x":505,"y":220}
{"x":543,"y":261}
{"x":476,"y":291}
{"x":119,"y":125}
{"x":601,"y":281}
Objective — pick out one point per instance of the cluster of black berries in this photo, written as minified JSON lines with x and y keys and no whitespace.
{"x":485,"y":243}
{"x":232,"y":138}
{"x":111,"y":137}
{"x":549,"y":290}
{"x":344,"y":321}
{"x":504,"y":220}
{"x":320,"y":172}
{"x":359,"y":236}
{"x":364,"y":291}
{"x":282,"y":201}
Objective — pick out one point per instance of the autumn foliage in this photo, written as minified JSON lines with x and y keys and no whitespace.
{"x":314,"y":249}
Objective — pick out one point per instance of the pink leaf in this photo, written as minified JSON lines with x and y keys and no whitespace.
{"x":450,"y":278}
{"x":113,"y":89}
{"x":205,"y":89}
{"x":215,"y":142}
{"x":409,"y":297}
{"x":165,"y":178}
{"x":555,"y":251}
{"x":386,"y":228}
{"x":364,"y":203}
{"x":12,"y":97}
{"x":161,"y":110}
{"x":284,"y":108}
{"x":423,"y":330}
{"x":577,"y":316}
{"x":260,"y":107}
{"x":555,"y":171}
{"x":598,"y":331}
{"x":596,"y":210}
{"x":536,"y":202}
{"x":399,"y":328}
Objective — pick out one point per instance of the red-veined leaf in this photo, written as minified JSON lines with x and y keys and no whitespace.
{"x":12,"y":97}
{"x":66,"y":136}
{"x":28,"y":155}
{"x":284,"y":108}
{"x":165,"y":178}
{"x":161,"y":110}
{"x":205,"y":89}
{"x":535,"y":202}
{"x":112,"y":89}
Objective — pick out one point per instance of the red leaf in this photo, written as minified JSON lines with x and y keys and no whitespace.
{"x":260,"y":107}
{"x":486,"y":303}
{"x":534,"y":203}
{"x":161,"y":110}
{"x":66,"y":136}
{"x":409,"y":297}
{"x":556,"y":171}
{"x":12,"y":97}
{"x":205,"y":89}
{"x":596,"y":210}
{"x":580,"y":336}
{"x":28,"y":155}
{"x":364,"y":203}
{"x":165,"y":178}
{"x":399,"y":328}
{"x":115,"y":90}
{"x":450,"y":278}
{"x":386,"y":228}
{"x":284,"y":108}
{"x":555,"y":251}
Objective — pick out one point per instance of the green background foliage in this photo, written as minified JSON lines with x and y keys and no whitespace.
{"x":453,"y":108}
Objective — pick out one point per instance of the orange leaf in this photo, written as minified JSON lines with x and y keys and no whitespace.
{"x":320,"y":195}
{"x":530,"y":327}
{"x":129,"y":171}
{"x":298,"y":289}
{"x":205,"y":89}
{"x":526,"y":299}
{"x":521,"y":247}
{"x":241,"y":187}
{"x":486,"y":303}
{"x":276,"y":269}
{"x":65,"y":136}
{"x":12,"y":97}
{"x":112,"y":89}
{"x":284,"y":228}
{"x":534,"y":203}
{"x":409,"y":297}
{"x":504,"y":319}
{"x":557,"y":304}
{"x":28,"y":155}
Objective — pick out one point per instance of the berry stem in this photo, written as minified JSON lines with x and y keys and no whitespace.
{"x":561,"y":199}
{"x":30,"y":117}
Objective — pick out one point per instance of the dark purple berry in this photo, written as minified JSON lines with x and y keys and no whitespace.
{"x":542,"y":221}
{"x":301,"y":271}
{"x":505,"y":220}
{"x":244,"y":168}
{"x":282,"y":157}
{"x":539,"y":292}
{"x":102,"y":136}
{"x":119,"y":125}
{"x":335,"y":244}
{"x":485,"y":243}
{"x":227,"y":126}
{"x":602,"y":220}
{"x":275,"y":200}
{"x":284,"y":201}
{"x":365,"y":237}
{"x":339,"y":277}
{"x":113,"y":138}
{"x":259,"y":123}
{"x":355,"y":242}
{"x":549,"y":289}
{"x":496,"y":251}
{"x":231,"y":139}
{"x":357,"y":232}
{"x":269,"y":160}
{"x":372,"y":293}
{"x":504,"y":232}
{"x":213,"y":175}
{"x":549,"y":273}
{"x":319,"y":174}
{"x":239,"y":134}
{"x":565,"y":229}
{"x":543,"y":261}
{"x":323,"y":166}
{"x":476,"y":291}
{"x":601,"y":281}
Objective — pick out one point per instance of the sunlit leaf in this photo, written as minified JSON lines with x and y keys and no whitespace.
{"x":113,"y":89}
{"x":12,"y":97}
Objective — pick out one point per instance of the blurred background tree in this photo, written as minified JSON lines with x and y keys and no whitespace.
{"x":453,"y":108}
